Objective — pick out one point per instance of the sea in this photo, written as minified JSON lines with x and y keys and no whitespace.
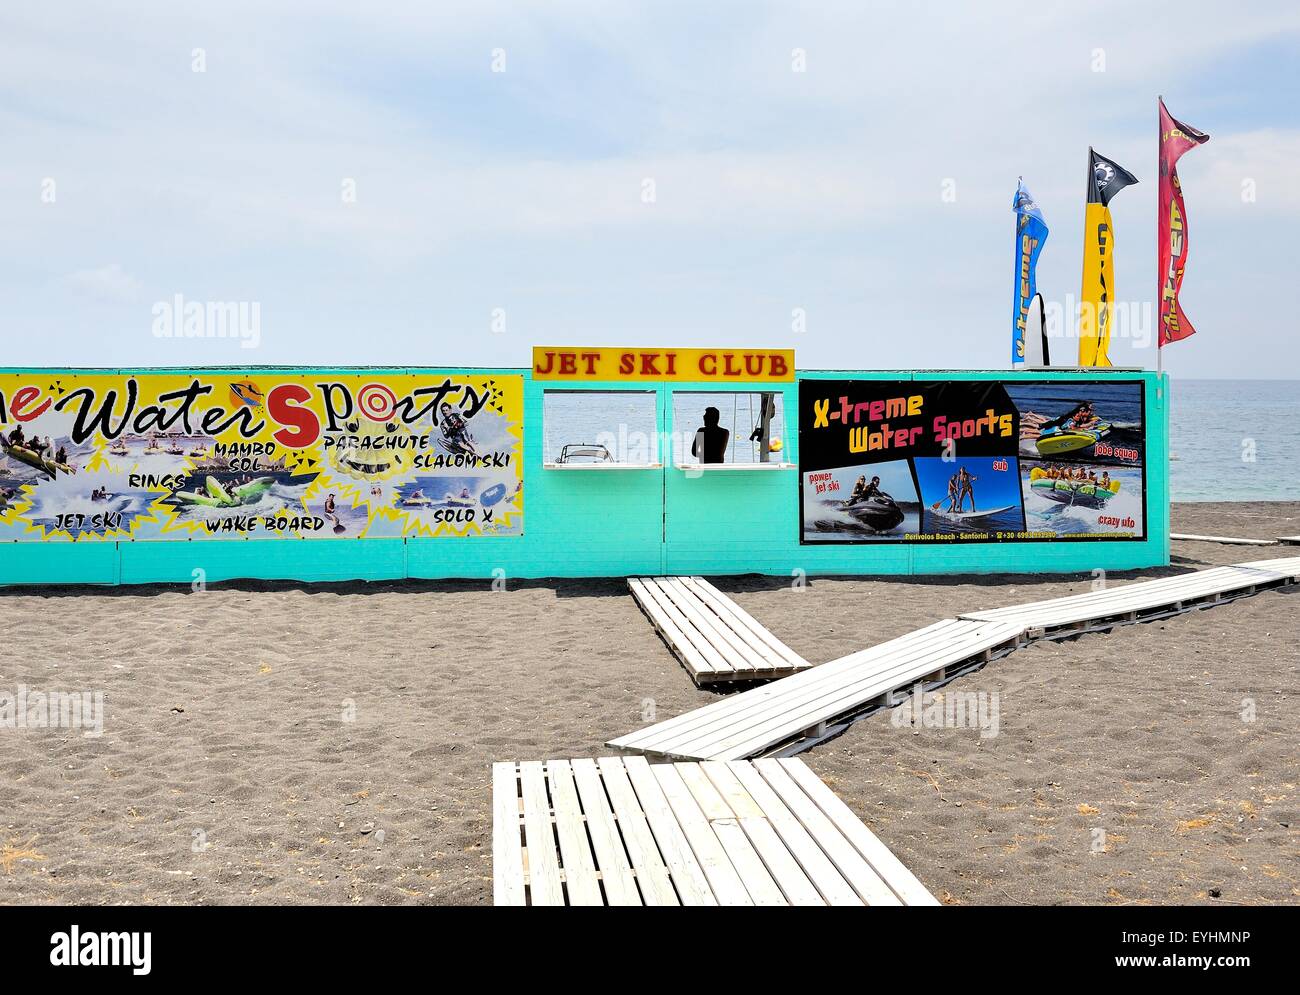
{"x":1234,"y":440}
{"x":1231,"y":440}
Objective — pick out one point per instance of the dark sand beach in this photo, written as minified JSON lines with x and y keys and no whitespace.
{"x":268,"y":743}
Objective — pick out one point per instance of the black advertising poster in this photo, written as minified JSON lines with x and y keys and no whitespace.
{"x":970,"y":461}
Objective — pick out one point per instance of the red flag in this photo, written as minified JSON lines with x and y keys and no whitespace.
{"x":1171,"y":233}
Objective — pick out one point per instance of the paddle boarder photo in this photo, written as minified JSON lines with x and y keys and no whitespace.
{"x":965,"y":489}
{"x":948,"y":496}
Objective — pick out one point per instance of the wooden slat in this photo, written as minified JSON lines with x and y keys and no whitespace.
{"x":543,"y":865}
{"x":579,"y":867}
{"x":762,"y":655}
{"x":681,"y":645}
{"x":794,"y":883}
{"x":741,"y":619}
{"x":652,"y":876}
{"x":745,"y":724}
{"x":852,"y":691}
{"x":507,"y":849}
{"x":753,"y":872}
{"x":1142,"y":596}
{"x":865,"y":881}
{"x":901,"y":881}
{"x":769,"y":697}
{"x":726,"y":824}
{"x":1287,"y":566}
{"x":706,"y":629}
{"x":709,"y":853}
{"x":713,"y":637}
{"x":741,"y":833}
{"x":828,"y":881}
{"x":692,"y":883}
{"x":1224,"y":540}
{"x":685,"y":636}
{"x":619,"y":882}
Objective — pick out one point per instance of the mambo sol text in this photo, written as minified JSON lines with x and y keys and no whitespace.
{"x":764,"y":365}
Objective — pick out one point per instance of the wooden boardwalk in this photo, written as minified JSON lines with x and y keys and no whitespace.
{"x":715,"y":639}
{"x":620,"y":831}
{"x":776,"y":716}
{"x":1144,"y":600}
{"x":766,"y":719}
{"x":1223,"y":540}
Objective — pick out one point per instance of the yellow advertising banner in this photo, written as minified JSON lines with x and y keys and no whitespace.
{"x":707,"y":365}
{"x":1097,"y":298}
{"x":251,"y":455}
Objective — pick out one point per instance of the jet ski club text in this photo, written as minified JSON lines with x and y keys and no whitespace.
{"x":878,"y":433}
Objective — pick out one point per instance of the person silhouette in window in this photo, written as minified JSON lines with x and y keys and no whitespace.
{"x":710,"y":445}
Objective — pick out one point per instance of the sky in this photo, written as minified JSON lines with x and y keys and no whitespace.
{"x":450,"y":184}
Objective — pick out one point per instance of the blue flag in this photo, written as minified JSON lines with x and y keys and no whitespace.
{"x":1031,"y":233}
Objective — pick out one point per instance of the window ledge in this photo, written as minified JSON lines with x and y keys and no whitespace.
{"x":716,"y":467}
{"x":604,"y":467}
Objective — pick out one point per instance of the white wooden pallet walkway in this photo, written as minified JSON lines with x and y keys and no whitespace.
{"x":773,"y":717}
{"x":767,"y":718}
{"x":1143,"y":600}
{"x":1223,"y":540}
{"x":620,"y":831}
{"x":715,"y":639}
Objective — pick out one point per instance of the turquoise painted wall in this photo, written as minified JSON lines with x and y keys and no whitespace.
{"x":615,"y":523}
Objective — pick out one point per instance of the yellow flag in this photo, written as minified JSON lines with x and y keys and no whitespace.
{"x":1097,"y":297}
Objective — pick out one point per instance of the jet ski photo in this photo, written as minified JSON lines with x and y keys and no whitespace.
{"x":880,"y":512}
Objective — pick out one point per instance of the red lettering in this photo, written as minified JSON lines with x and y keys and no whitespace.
{"x":626,"y":364}
{"x":648,"y":367}
{"x":568,"y":364}
{"x":282,"y":405}
{"x":709,"y":364}
{"x":591,"y":358}
{"x":730,"y":367}
{"x":778,"y":365}
{"x":550,"y":363}
{"x":672,"y":364}
{"x":24,"y":396}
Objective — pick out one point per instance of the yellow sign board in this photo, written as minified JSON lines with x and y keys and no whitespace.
{"x":181,"y":455}
{"x":712,"y":365}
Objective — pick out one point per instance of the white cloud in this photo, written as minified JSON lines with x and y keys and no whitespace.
{"x":817,"y":189}
{"x":108,"y":283}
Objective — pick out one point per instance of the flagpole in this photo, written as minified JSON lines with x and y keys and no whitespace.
{"x":1160,"y":353}
{"x":1042,"y":327}
{"x":1087,"y":190}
